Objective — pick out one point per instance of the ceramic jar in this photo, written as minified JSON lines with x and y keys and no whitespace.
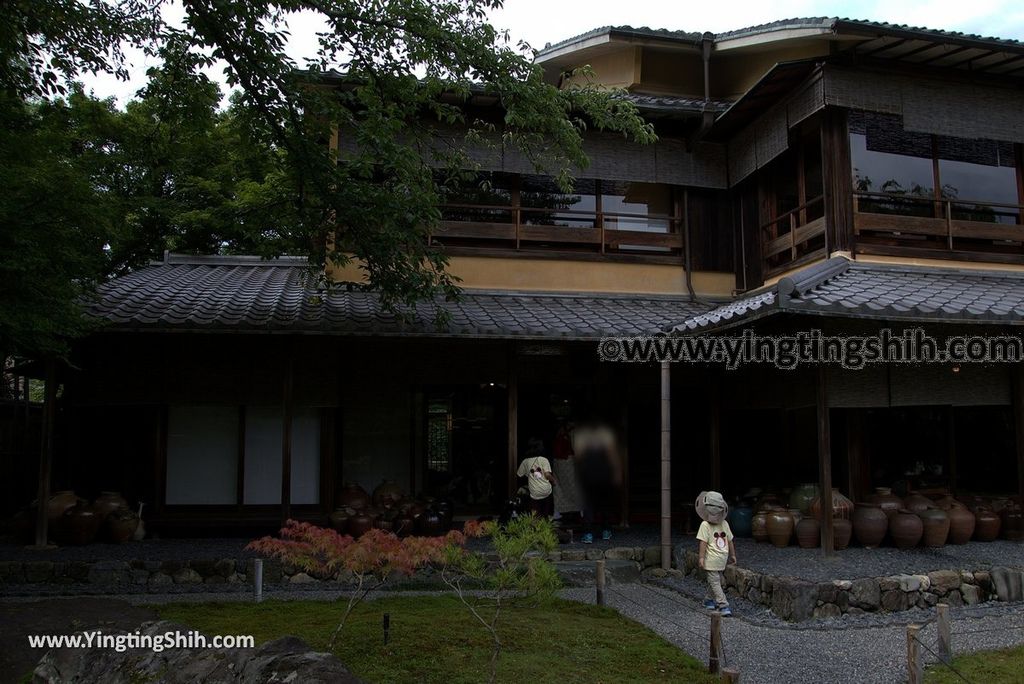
{"x":986,"y":524}
{"x":359,"y":523}
{"x":886,"y":500}
{"x":387,"y":494}
{"x":404,"y":525}
{"x":429,"y":524}
{"x":108,"y":502}
{"x":740,"y":520}
{"x":961,"y":524}
{"x":339,"y":520}
{"x":353,"y":496}
{"x":870,"y":523}
{"x":842,"y":531}
{"x":808,"y":533}
{"x":936,"y":527}
{"x":915,"y":503}
{"x":120,"y":524}
{"x":1012,"y":521}
{"x":841,"y":506}
{"x":780,"y":527}
{"x":759,"y":526}
{"x":802,"y":497}
{"x":80,"y":523}
{"x":60,"y":502}
{"x":905,"y":528}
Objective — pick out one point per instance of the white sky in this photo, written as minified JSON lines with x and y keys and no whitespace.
{"x":548,"y":21}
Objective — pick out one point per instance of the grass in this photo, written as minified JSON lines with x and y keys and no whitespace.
{"x":991,"y":667}
{"x":435,"y":639}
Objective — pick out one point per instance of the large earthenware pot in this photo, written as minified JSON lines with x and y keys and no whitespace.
{"x":936,"y":527}
{"x":353,"y":496}
{"x":80,"y":524}
{"x":808,"y":533}
{"x":768,"y":501}
{"x":759,"y":526}
{"x":339,"y":520}
{"x":60,"y":502}
{"x":119,"y":525}
{"x":987,"y":524}
{"x":387,"y":494}
{"x":359,"y":523}
{"x":780,"y":527}
{"x":383,"y":522}
{"x":886,"y":500}
{"x":404,"y":525}
{"x":870,"y":523}
{"x":1013,"y":521}
{"x":108,"y":502}
{"x":905,"y":528}
{"x":740,"y":520}
{"x":429,"y":524}
{"x":842,"y":530}
{"x":915,"y":503}
{"x":802,"y":497}
{"x":961,"y":524}
{"x":841,"y":506}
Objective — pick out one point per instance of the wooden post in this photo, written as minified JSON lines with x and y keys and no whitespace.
{"x":286,"y":438}
{"x":715,"y":438}
{"x":1017,"y":383}
{"x":825,"y":465}
{"x":666,"y":465}
{"x":915,"y":675}
{"x":714,"y":664}
{"x":624,"y":451}
{"x":731,"y":675}
{"x":855,"y":453}
{"x":513,"y":422}
{"x":46,"y":452}
{"x":951,"y":470}
{"x":257,"y":580}
{"x":945,"y":631}
{"x":599,"y":573}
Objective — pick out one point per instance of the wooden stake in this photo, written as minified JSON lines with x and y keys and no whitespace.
{"x":257,"y":580}
{"x":46,"y":453}
{"x":945,"y":633}
{"x":714,"y":665}
{"x":915,"y":675}
{"x":731,"y":675}
{"x":825,"y":465}
{"x":666,"y":465}
{"x":600,"y":582}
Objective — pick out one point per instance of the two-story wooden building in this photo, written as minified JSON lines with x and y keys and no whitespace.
{"x":810,"y":173}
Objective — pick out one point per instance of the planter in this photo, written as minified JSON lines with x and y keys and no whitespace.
{"x":780,"y":527}
{"x":803,"y":496}
{"x":936,"y":527}
{"x":740,"y":520}
{"x":961,"y":524}
{"x":986,"y":524}
{"x":841,"y":506}
{"x":870,"y":523}
{"x":759,"y":526}
{"x":886,"y":500}
{"x":108,"y":502}
{"x":808,"y":533}
{"x":842,"y":530}
{"x":906,"y":529}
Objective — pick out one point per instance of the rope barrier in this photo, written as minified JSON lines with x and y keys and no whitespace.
{"x":943,"y":662}
{"x":658,"y":614}
{"x":675,"y":599}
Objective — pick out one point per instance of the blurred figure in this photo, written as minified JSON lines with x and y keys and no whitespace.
{"x":599,"y":471}
{"x":567,"y":499}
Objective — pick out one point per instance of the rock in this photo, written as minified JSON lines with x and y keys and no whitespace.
{"x":754,"y":595}
{"x":109,"y":572}
{"x":927,"y":600}
{"x":793,"y":599}
{"x":926,"y":583}
{"x":555,"y":556}
{"x":893,"y":601}
{"x":889,"y":583}
{"x":187,"y":576}
{"x":159,"y":579}
{"x":854,"y":610}
{"x":38,"y":571}
{"x":828,"y":610}
{"x":594,"y":554}
{"x":79,"y":571}
{"x":864,"y":593}
{"x":740,"y":578}
{"x":984,"y":580}
{"x":224,"y":567}
{"x":584,"y":573}
{"x":235,"y":578}
{"x":944,"y":581}
{"x":953,"y":598}
{"x":828,"y":592}
{"x":619,"y":553}
{"x":845,"y":585}
{"x":909,"y":583}
{"x":171,"y":566}
{"x":971,"y":594}
{"x":139,"y":576}
{"x":301,"y":578}
{"x":12,"y":572}
{"x":204,"y":566}
{"x":215,"y":579}
{"x":1007,"y":582}
{"x":966,"y":577}
{"x":572,"y":555}
{"x":652,"y":556}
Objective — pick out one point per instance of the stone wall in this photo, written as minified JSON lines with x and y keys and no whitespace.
{"x":794,"y":599}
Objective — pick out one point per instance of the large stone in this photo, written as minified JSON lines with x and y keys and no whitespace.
{"x":864,"y":593}
{"x":889,"y":583}
{"x":927,"y":600}
{"x":652,"y":556}
{"x":953,"y":598}
{"x":828,"y":610}
{"x":843,"y":584}
{"x":160,"y":579}
{"x":584,"y":573}
{"x":910,"y":583}
{"x":984,"y":580}
{"x":971,"y":594}
{"x":187,"y":576}
{"x":206,"y":567}
{"x":12,"y":572}
{"x":594,"y":554}
{"x":740,"y":578}
{"x":619,"y":553}
{"x":754,"y":595}
{"x":944,"y":581}
{"x":301,"y":578}
{"x":793,"y":599}
{"x":78,"y":571}
{"x":38,"y":571}
{"x":893,"y":601}
{"x":573,"y":555}
{"x":1007,"y":583}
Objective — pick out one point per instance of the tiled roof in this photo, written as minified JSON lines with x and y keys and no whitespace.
{"x":244,"y":294}
{"x":671,"y":103}
{"x":839,"y":287}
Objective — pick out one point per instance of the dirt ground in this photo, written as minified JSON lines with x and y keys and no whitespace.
{"x":56,"y":616}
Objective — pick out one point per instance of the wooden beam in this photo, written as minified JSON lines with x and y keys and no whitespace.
{"x":715,"y":438}
{"x":286,"y":438}
{"x":1018,"y":422}
{"x":836,"y":169}
{"x":46,"y":452}
{"x":513,"y":420}
{"x":666,"y":465}
{"x":824,"y":464}
{"x":624,"y":450}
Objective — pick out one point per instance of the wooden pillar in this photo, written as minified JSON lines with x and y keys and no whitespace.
{"x":286,"y":439}
{"x":715,"y":438}
{"x":837,"y":178}
{"x":951,"y":449}
{"x":513,"y":422}
{"x":824,"y":464}
{"x":46,"y":451}
{"x":1017,"y":384}
{"x":624,"y":451}
{"x":666,"y":465}
{"x":855,"y":454}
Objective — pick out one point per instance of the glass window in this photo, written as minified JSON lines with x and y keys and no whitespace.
{"x":978,"y":171}
{"x":202,"y":455}
{"x":469,"y":195}
{"x":641,"y":201}
{"x":263,"y":442}
{"x":888,"y":159}
{"x":545,"y":204}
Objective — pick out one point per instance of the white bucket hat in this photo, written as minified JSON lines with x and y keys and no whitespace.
{"x":711,"y":506}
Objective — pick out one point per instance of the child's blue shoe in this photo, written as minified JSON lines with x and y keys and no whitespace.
{"x":726,"y":611}
{"x":588,"y":538}
{"x":606,"y":535}
{"x":709,"y":604}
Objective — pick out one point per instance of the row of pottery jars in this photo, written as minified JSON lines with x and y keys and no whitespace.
{"x":841,"y":506}
{"x":808,"y":533}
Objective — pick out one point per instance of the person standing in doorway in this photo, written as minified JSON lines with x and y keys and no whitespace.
{"x":539,"y":479}
{"x":600,"y":477}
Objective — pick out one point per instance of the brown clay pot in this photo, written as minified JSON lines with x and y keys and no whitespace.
{"x":119,"y":525}
{"x":387,"y":494}
{"x":842,"y":530}
{"x":339,"y":520}
{"x":841,"y":506}
{"x":803,"y":496}
{"x":80,"y":524}
{"x":108,"y":502}
{"x":359,"y":523}
{"x":915,"y":503}
{"x":987,"y":524}
{"x":936,"y":527}
{"x":1012,"y":521}
{"x":759,"y":526}
{"x":404,"y":525}
{"x":808,"y":533}
{"x":780,"y":527}
{"x":870,"y":523}
{"x":383,"y":523}
{"x":429,"y":524}
{"x":353,"y":496}
{"x":905,"y":528}
{"x":886,"y":500}
{"x":57,"y":505}
{"x":961,"y":524}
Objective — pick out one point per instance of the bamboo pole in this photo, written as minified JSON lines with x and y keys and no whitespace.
{"x":666,"y":465}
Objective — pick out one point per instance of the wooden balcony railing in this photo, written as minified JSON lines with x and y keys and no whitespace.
{"x":945,"y":228}
{"x":569,"y":231}
{"x":790,"y":239}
